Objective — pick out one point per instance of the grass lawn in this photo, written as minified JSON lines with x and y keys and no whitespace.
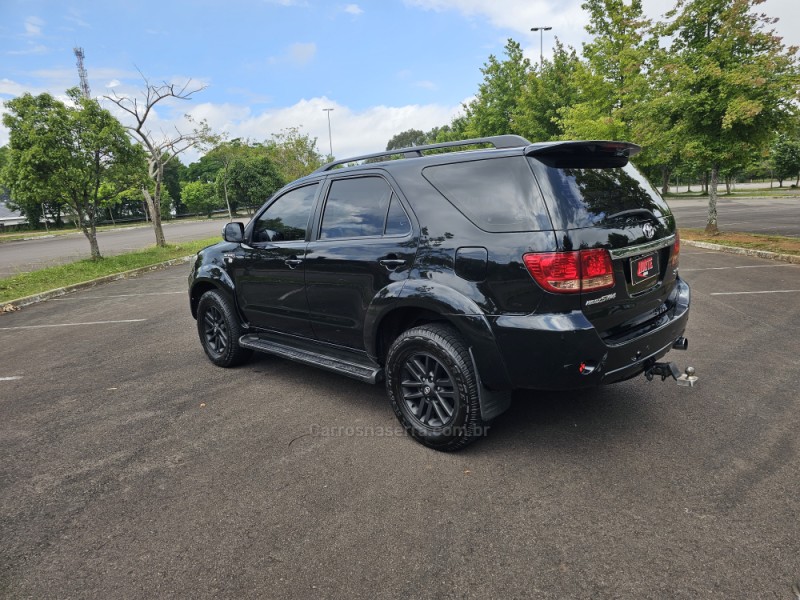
{"x":754,"y":241}
{"x":50,"y":278}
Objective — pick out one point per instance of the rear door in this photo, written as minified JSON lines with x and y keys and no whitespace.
{"x":364,"y":242}
{"x":597,"y":199}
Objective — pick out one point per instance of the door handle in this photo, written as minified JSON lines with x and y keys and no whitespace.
{"x":293,"y":262}
{"x":392,"y":263}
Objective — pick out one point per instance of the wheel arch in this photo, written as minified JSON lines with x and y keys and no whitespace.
{"x":421,"y":302}
{"x":211,"y":278}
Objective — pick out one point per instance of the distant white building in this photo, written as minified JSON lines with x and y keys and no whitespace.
{"x":10,"y":217}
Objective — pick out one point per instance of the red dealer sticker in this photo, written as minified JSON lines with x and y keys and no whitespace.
{"x":644,"y":268}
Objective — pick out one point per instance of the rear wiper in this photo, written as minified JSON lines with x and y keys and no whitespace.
{"x":633,"y":211}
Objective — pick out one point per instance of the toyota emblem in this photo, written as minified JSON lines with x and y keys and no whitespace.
{"x":649,"y":231}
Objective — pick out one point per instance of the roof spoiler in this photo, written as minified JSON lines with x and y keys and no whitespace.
{"x":595,"y":153}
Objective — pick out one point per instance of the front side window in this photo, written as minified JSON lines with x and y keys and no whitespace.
{"x":287,"y":218}
{"x":356,"y":208}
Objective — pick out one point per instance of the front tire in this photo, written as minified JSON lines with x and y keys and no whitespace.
{"x":219,"y":329}
{"x":433,"y":388}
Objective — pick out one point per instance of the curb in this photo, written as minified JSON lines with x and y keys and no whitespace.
{"x":790,"y":258}
{"x":14,"y":305}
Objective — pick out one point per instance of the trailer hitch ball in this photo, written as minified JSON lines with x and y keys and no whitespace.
{"x":670,"y":369}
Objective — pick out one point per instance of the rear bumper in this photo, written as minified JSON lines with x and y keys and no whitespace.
{"x":546,"y":351}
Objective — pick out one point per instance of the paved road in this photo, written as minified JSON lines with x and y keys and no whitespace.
{"x":130,"y":467}
{"x":28,"y":255}
{"x":776,"y":216}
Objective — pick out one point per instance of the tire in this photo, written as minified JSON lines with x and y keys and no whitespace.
{"x":433,"y":387}
{"x":219,"y":329}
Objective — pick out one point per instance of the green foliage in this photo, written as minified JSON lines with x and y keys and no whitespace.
{"x":200,"y":197}
{"x":293,"y":153}
{"x":548,"y":93}
{"x":492,"y":110}
{"x":249,"y":180}
{"x":66,"y":155}
{"x":612,"y":82}
{"x":785,"y":156}
{"x":733,"y":83}
{"x":406,"y":139}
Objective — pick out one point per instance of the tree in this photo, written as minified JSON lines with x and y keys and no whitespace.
{"x":547,"y":94}
{"x":406,"y":139}
{"x":612,"y":83}
{"x":200,"y":197}
{"x":492,"y":110}
{"x":785,"y":157}
{"x":295,"y":154}
{"x":734,"y":83}
{"x":72,"y":154}
{"x":160,"y":147}
{"x":249,"y":180}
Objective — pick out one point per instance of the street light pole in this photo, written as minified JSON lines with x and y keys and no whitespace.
{"x":330,"y":138}
{"x":541,"y":31}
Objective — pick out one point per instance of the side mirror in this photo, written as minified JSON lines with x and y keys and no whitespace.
{"x":233,"y":232}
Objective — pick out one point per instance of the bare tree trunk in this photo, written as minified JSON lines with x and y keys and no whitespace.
{"x":155,"y":218}
{"x":711,"y":224}
{"x":225,"y":190}
{"x":91,"y":234}
{"x":665,"y":175}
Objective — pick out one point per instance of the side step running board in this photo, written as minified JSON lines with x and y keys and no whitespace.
{"x":351,"y":366}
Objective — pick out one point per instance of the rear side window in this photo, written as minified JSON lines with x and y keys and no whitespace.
{"x":356,"y":208}
{"x":498,"y":194}
{"x":582,"y":197}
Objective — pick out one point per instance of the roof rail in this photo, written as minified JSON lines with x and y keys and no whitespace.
{"x":498,"y":141}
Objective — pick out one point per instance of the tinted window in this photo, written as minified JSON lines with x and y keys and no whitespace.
{"x":582,"y":197}
{"x":397,"y":221}
{"x":355,"y":208}
{"x":497,"y":195}
{"x":286,"y":218}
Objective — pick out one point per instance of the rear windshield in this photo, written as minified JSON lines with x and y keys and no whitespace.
{"x":583,"y":197}
{"x":498,"y":195}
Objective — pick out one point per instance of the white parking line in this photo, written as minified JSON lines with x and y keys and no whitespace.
{"x":12,"y":378}
{"x":742,"y":267}
{"x":118,"y":296}
{"x":745,"y":293}
{"x":72,"y":324}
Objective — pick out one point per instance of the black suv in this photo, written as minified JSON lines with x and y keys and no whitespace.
{"x":455,"y":276}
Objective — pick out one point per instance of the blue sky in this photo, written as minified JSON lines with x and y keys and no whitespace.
{"x":382,"y":65}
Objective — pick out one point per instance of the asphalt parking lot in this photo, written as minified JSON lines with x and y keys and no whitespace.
{"x":767,"y":216}
{"x":130,"y":467}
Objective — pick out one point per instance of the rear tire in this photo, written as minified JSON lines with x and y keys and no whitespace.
{"x":433,"y":388}
{"x":219,"y":329}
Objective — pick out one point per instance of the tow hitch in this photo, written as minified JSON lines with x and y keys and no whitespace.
{"x":670,"y":369}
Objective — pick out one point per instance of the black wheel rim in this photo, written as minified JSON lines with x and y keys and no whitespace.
{"x":428,"y":390}
{"x":216,"y":330}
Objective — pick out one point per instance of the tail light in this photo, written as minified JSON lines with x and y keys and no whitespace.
{"x":571,"y":272}
{"x":676,"y":251}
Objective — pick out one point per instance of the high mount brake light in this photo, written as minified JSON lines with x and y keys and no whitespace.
{"x":571,"y":272}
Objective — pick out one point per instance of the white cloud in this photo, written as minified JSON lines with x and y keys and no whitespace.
{"x":113,"y":83}
{"x":518,"y":16}
{"x":76,"y":18}
{"x":353,"y":9}
{"x":426,"y":85}
{"x":33,"y":26}
{"x":302,"y":54}
{"x":12,"y":88}
{"x":354,"y":132}
{"x":298,"y":55}
{"x":31,"y":49}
